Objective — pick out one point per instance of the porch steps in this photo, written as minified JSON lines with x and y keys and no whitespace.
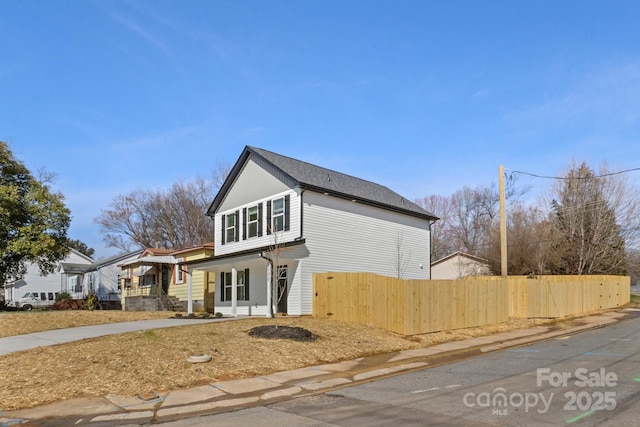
{"x":170,"y":303}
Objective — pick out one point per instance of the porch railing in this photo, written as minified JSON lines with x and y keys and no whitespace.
{"x":154,"y":290}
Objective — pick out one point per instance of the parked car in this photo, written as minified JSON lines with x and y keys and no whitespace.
{"x":32,"y":300}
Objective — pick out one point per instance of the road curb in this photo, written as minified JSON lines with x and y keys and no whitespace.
{"x":231,"y":395}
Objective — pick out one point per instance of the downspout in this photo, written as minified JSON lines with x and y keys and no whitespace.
{"x":300,"y":264}
{"x":301,"y":213}
{"x":430,"y":246}
{"x":99,"y":283}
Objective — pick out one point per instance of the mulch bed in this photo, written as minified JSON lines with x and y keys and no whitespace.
{"x":294,"y":333}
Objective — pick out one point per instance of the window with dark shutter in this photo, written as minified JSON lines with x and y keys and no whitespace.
{"x":252,"y":222}
{"x":278,"y":214}
{"x":232,"y":227}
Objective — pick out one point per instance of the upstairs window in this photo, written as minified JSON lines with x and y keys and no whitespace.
{"x":230,"y":227}
{"x":278,"y":214}
{"x":252,"y":221}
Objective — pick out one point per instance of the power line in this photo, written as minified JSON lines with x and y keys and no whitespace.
{"x":575,"y":177}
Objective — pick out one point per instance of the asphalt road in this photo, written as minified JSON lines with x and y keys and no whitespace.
{"x":587,"y":379}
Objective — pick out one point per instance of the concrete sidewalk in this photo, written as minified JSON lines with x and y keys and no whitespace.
{"x":60,"y":336}
{"x":223,"y":396}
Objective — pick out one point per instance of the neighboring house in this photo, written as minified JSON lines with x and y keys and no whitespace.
{"x":278,"y":220}
{"x":459,"y":265}
{"x":57,"y":281}
{"x":154,"y":280}
{"x":104,"y":276}
{"x":100,"y":277}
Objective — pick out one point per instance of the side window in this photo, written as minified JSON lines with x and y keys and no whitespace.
{"x":43,"y":296}
{"x":242,"y":285}
{"x":278,"y":214}
{"x":230,"y":229}
{"x":226,"y":283}
{"x":50,"y":295}
{"x":179,"y":271}
{"x":252,"y":221}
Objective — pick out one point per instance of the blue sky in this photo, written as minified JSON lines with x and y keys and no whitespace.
{"x":424,"y":97}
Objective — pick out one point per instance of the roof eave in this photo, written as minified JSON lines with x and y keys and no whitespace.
{"x":368,"y":202}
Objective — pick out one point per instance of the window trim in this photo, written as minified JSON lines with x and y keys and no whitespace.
{"x":286,"y":214}
{"x":255,"y":222}
{"x":226,"y":281}
{"x":179,"y":272}
{"x":230,"y":230}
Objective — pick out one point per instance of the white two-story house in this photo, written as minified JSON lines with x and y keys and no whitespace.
{"x":279,"y":220}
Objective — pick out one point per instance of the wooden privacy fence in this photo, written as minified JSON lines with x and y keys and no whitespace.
{"x":411,"y":307}
{"x":559,"y":296}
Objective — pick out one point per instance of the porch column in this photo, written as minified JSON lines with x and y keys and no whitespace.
{"x":189,"y":292}
{"x":269,"y":290}
{"x":234,"y":292}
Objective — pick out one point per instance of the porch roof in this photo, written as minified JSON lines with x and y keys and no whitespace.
{"x":247,"y":255}
{"x":150,"y":260}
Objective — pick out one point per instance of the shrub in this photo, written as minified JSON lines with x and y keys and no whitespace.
{"x":91,"y":302}
{"x":63,"y":296}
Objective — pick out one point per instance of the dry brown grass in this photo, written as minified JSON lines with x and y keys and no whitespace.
{"x":134,"y":363}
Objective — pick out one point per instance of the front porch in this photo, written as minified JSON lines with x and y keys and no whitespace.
{"x":247,"y":285}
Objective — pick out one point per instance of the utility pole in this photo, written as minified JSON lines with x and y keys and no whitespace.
{"x":503,"y":225}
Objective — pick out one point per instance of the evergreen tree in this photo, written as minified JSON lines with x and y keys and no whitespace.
{"x":586,"y":238}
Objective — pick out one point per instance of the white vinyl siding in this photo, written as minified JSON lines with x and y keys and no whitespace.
{"x":348,"y":236}
{"x":253,"y":183}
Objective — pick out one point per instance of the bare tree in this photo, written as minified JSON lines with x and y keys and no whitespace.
{"x":528,"y":234}
{"x":173,"y":218}
{"x":278,"y":276}
{"x":442,"y":207}
{"x":468,"y":217}
{"x":633,"y":263}
{"x":400,"y":258}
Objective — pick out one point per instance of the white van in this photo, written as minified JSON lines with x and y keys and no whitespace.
{"x":32,"y":300}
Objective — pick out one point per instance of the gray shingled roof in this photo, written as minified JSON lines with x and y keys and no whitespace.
{"x":319,"y":178}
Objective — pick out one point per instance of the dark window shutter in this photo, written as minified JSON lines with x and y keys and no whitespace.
{"x":244,"y":223}
{"x":222,"y":286}
{"x":287,"y":217}
{"x":260,"y":220}
{"x":246,"y":284}
{"x":237,"y":222}
{"x":224,"y":229}
{"x":269,"y":225}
